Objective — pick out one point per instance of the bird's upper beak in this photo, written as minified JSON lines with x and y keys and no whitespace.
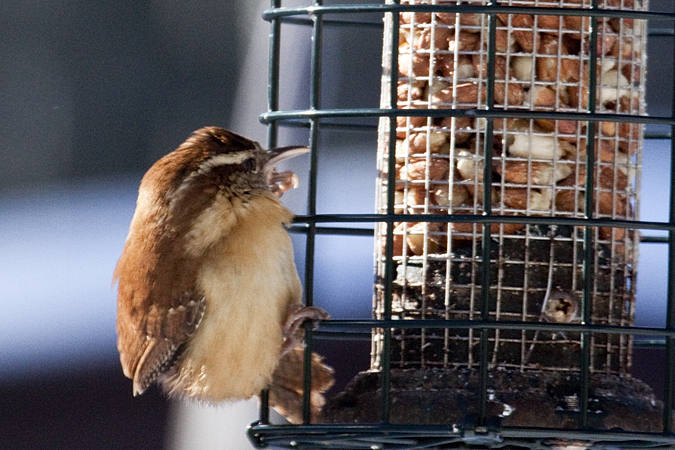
{"x":281,"y":182}
{"x":281,"y":154}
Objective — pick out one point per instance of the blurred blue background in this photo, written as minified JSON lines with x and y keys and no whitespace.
{"x":91,"y":94}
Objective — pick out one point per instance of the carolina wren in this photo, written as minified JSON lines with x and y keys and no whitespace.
{"x":209,"y":299}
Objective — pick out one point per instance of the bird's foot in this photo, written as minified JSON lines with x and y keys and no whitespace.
{"x":297,"y":315}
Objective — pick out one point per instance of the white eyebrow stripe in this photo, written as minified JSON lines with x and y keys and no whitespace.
{"x":225,"y":159}
{"x":215,"y":161}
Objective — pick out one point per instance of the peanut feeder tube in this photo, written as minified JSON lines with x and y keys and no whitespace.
{"x":538,"y":168}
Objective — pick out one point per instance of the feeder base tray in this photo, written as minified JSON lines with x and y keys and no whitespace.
{"x":515,"y":399}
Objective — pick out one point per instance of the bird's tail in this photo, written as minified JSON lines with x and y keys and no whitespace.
{"x":286,"y":390}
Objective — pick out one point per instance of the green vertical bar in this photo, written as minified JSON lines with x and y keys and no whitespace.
{"x":587,"y":297}
{"x":273,"y":75}
{"x":389,"y":241}
{"x":272,"y":105}
{"x":487,"y":211}
{"x":314,"y":104}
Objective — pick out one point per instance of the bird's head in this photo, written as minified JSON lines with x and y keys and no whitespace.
{"x":215,"y":162}
{"x":190,"y":190}
{"x":216,"y":159}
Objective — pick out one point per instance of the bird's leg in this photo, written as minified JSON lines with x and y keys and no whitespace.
{"x":293,"y":331}
{"x":280,"y":182}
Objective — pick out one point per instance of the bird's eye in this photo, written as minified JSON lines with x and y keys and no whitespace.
{"x":249,"y":165}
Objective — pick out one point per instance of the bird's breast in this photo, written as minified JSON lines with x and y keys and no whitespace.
{"x":249,"y":279}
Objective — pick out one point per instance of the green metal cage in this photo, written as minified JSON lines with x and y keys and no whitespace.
{"x":481,"y":433}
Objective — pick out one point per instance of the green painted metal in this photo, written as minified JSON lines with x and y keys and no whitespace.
{"x":409,"y":436}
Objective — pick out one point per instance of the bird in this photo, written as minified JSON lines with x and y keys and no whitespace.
{"x":209,"y":302}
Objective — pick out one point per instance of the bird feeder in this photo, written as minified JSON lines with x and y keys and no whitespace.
{"x":491,"y":166}
{"x":506,"y":237}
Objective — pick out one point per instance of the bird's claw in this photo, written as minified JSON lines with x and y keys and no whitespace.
{"x":297,"y":315}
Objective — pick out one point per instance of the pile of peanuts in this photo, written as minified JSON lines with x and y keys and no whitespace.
{"x":538,"y":166}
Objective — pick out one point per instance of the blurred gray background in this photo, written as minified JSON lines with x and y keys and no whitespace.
{"x":91,"y":94}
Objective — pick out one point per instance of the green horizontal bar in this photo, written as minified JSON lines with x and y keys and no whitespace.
{"x":494,"y":325}
{"x":658,"y":135}
{"x":649,"y":343}
{"x":302,"y":123}
{"x":306,"y":21}
{"x":402,"y":431}
{"x":347,"y":126}
{"x":588,"y":435}
{"x":339,"y":335}
{"x":660,"y":32}
{"x":331,"y":22}
{"x":370,"y":232}
{"x":273,"y":116}
{"x":460,"y":218}
{"x":272,"y":14}
{"x":654,"y":239}
{"x":334,"y":230}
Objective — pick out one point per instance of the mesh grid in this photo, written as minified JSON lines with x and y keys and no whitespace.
{"x":537,"y":168}
{"x":377,"y":422}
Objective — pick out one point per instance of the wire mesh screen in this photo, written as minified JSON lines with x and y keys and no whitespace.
{"x":515,"y":130}
{"x":537,"y":167}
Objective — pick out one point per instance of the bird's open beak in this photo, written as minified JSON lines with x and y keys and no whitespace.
{"x":283,"y":153}
{"x":280,"y":182}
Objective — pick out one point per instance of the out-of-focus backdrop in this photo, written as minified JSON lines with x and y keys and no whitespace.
{"x":91,"y":94}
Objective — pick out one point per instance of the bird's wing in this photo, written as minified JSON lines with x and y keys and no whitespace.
{"x":153,"y":321}
{"x":166,"y":331}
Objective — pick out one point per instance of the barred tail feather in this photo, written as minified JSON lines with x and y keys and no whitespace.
{"x":287,"y":381}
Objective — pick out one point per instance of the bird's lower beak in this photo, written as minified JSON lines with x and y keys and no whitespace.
{"x":281,"y":182}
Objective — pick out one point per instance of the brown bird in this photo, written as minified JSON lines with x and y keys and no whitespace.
{"x":209,"y":299}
